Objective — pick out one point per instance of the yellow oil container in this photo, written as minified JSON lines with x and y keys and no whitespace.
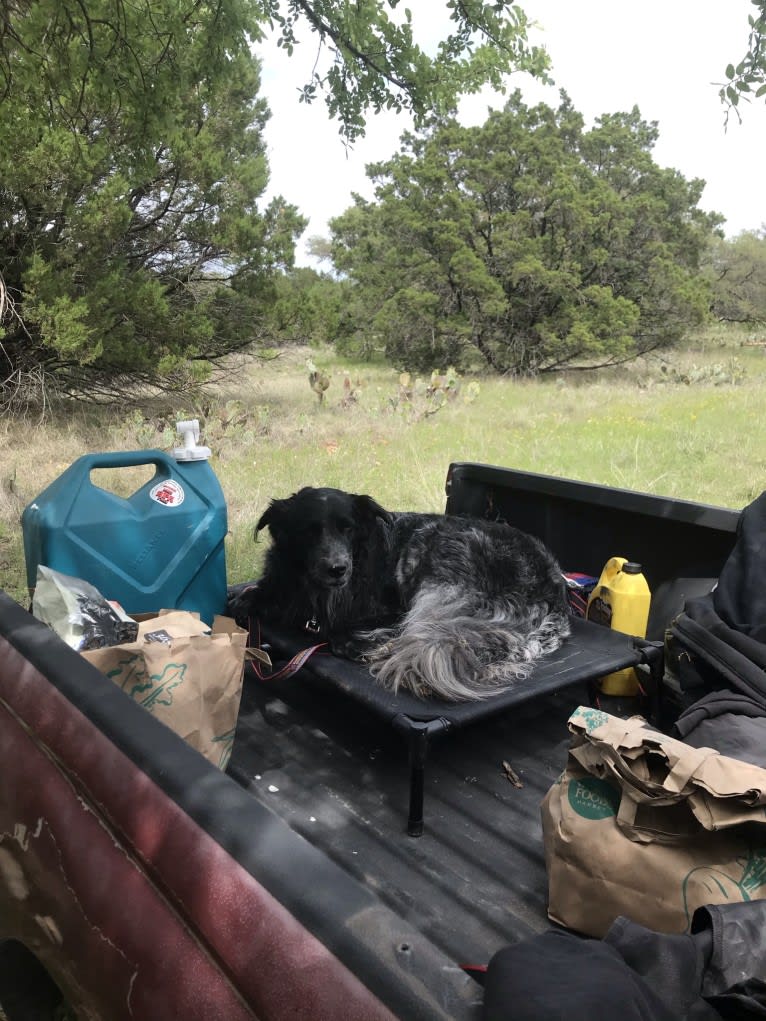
{"x":621,"y":600}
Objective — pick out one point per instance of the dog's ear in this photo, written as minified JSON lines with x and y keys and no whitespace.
{"x":269,"y":517}
{"x":365,"y":509}
{"x":278,"y":513}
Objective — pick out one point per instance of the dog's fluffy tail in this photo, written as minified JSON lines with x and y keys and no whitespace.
{"x":455,"y":646}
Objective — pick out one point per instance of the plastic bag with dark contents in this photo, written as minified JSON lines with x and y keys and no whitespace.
{"x":78,"y":612}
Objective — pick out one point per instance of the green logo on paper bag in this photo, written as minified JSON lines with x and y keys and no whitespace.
{"x":163,"y":685}
{"x":593,"y":798}
{"x":148,"y":689}
{"x":707,"y":884}
{"x":592,"y":719}
{"x":754,"y":874}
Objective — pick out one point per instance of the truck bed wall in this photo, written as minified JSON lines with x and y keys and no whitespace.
{"x":675,"y":541}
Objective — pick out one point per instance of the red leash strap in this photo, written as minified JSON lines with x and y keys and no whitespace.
{"x":291,"y":667}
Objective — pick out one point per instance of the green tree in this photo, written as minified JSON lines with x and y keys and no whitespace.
{"x":132,"y":161}
{"x":738,"y":273}
{"x":308,"y":307}
{"x":526,"y":244}
{"x":747,"y":78}
{"x":134,"y":245}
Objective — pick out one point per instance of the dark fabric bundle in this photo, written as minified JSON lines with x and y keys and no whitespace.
{"x":716,"y":971}
{"x":722,"y":635}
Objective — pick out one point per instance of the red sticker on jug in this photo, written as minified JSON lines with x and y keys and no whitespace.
{"x":168,"y":493}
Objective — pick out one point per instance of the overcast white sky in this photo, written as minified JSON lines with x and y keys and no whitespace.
{"x":665,"y":56}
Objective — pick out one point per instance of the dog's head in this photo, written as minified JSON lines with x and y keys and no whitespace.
{"x":317,"y":531}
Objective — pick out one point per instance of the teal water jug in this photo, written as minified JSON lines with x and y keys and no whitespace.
{"x":160,"y":548}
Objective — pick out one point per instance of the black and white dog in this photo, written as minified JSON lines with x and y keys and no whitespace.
{"x":454,"y":607}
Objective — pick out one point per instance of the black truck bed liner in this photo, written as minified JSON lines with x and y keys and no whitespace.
{"x":476,"y":879}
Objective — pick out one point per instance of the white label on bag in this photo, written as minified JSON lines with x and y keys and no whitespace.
{"x":168,"y":493}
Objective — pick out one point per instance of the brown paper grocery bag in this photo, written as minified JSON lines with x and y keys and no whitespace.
{"x":642,"y":825}
{"x":187,"y":678}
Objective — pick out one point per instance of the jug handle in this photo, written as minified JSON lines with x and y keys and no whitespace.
{"x":126,"y":459}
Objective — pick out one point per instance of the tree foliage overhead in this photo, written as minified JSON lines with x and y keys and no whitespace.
{"x":377,"y":64}
{"x":133,"y":239}
{"x":747,"y":79}
{"x":526,"y":244}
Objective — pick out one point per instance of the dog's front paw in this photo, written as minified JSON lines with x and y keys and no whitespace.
{"x":241,"y":602}
{"x":349,"y":646}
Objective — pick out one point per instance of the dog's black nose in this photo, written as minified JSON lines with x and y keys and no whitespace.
{"x":337,"y":570}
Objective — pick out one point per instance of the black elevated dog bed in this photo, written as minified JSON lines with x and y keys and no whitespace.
{"x":591,"y":651}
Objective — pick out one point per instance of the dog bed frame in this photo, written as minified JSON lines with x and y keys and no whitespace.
{"x":591,"y":651}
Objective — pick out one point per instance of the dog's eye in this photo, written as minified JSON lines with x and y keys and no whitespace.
{"x":344,"y":526}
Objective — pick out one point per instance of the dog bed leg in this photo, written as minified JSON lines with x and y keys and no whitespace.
{"x":418,"y":733}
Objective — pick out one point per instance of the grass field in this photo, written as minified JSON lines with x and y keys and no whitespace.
{"x":689,"y":425}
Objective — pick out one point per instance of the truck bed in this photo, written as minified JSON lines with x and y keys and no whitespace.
{"x":290,"y":887}
{"x":476,"y":879}
{"x":338,"y":775}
